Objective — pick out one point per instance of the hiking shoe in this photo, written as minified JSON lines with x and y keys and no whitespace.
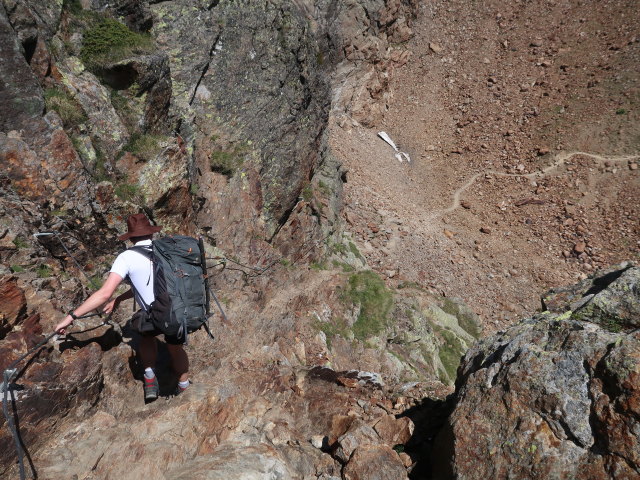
{"x":180,"y":389}
{"x":151,"y":388}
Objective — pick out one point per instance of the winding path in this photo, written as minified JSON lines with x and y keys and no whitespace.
{"x":560,"y":160}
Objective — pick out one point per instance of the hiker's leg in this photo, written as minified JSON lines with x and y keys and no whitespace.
{"x":148,"y":350}
{"x":179,"y":361}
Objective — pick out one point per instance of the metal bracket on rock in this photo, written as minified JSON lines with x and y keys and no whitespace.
{"x":399,"y":155}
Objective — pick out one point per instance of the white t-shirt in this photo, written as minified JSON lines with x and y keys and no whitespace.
{"x":139,"y":269}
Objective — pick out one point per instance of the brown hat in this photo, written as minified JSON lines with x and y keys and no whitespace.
{"x":138,"y":226}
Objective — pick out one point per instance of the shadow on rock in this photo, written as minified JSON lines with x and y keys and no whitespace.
{"x":428,"y":418}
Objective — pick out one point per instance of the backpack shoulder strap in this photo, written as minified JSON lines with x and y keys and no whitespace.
{"x":146,"y":251}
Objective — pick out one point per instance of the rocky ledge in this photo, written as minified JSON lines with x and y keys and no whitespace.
{"x":557,"y":396}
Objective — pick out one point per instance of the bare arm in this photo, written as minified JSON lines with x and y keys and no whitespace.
{"x":113,"y":304}
{"x":95,"y":301}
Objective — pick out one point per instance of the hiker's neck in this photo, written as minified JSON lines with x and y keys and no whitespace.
{"x":135,"y":240}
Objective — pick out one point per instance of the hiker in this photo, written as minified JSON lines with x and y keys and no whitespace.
{"x":139,"y":270}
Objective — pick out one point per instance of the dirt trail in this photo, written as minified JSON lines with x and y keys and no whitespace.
{"x":521,"y":124}
{"x":559,"y":161}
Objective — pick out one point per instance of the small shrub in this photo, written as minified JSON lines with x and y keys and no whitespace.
{"x":621,"y":111}
{"x":72,"y":6}
{"x":16,"y":268}
{"x":344,"y":266}
{"x":286,"y":263}
{"x":144,"y":146}
{"x":100,"y":172}
{"x":307,"y":193}
{"x":110,"y":41}
{"x":126,"y":191}
{"x":369,"y":291}
{"x":324,"y":188}
{"x":353,"y":249}
{"x":96,"y":282}
{"x":20,"y":242}
{"x":43,"y":271}
{"x":229,"y":161}
{"x":65,"y":105}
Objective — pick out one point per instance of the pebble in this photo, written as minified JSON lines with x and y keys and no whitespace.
{"x":486,"y":230}
{"x":465,"y":204}
{"x":579,"y":247}
{"x":435,"y":48}
{"x":633,"y":166}
{"x":448,"y":233}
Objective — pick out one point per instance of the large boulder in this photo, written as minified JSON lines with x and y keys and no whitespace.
{"x":557,"y":396}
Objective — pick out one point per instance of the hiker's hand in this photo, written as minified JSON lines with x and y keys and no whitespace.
{"x":110,"y":306}
{"x":62,"y":326}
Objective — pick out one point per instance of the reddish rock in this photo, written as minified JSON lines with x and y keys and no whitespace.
{"x":375,"y":462}
{"x":13,"y":304}
{"x":394,"y":431}
{"x":579,"y":247}
{"x":339,"y":425}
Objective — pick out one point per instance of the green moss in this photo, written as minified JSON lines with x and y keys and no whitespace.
{"x":16,"y":268}
{"x":466,"y":318}
{"x":65,"y":105}
{"x":621,"y":111}
{"x":332,"y":328}
{"x":110,"y":41}
{"x":450,"y":352}
{"x":367,"y":290}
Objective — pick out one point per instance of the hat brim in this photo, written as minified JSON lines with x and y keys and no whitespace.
{"x":140,"y":232}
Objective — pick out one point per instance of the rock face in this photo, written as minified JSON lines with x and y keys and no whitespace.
{"x":557,"y":396}
{"x":210,"y":118}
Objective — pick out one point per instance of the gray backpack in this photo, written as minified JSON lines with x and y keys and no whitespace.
{"x":181,"y":304}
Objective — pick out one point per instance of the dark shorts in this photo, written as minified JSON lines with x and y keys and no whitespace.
{"x":169,"y":339}
{"x":141,"y":323}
